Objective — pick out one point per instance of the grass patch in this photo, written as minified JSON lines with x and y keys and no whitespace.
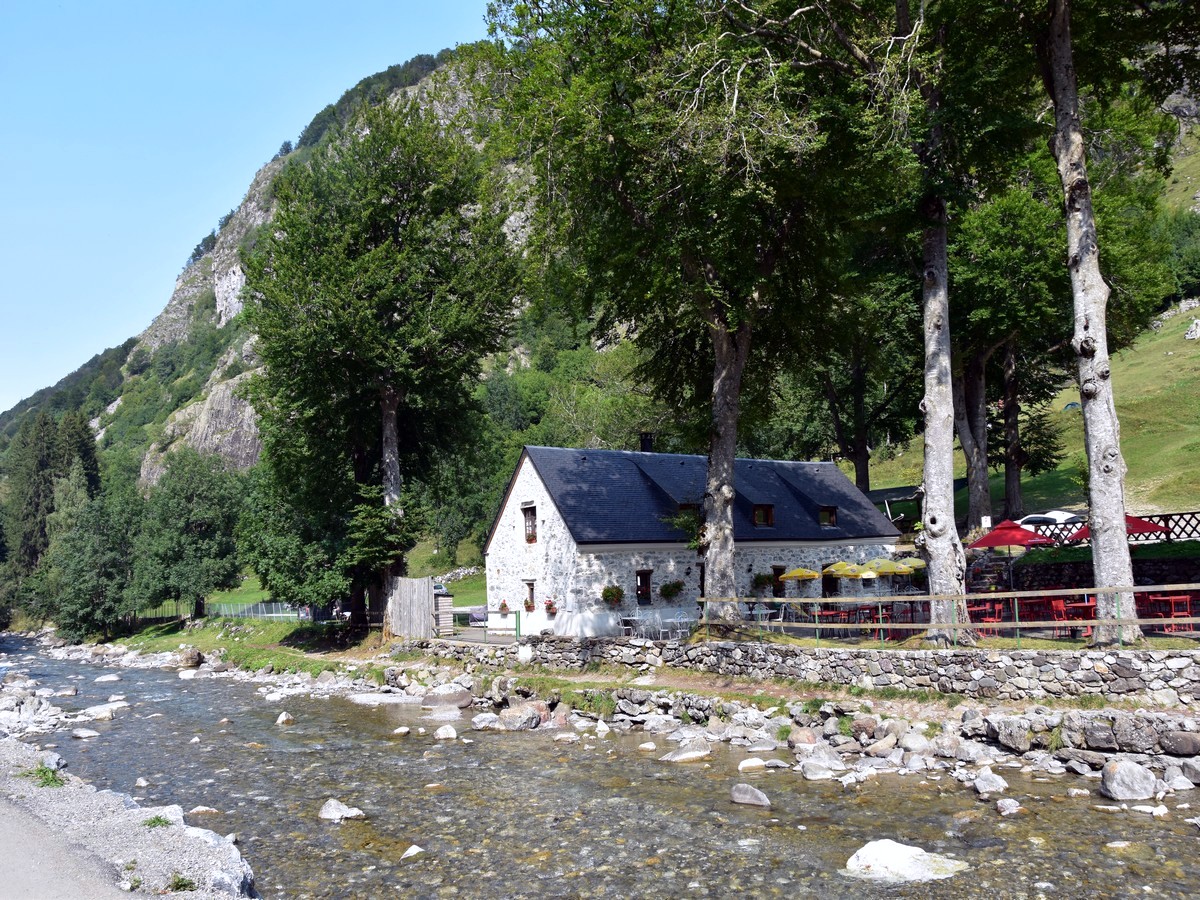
{"x":179,"y":882}
{"x":783,"y":733}
{"x":44,"y":776}
{"x":157,"y":822}
{"x":470,"y":591}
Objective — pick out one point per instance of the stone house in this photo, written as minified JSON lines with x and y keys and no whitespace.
{"x":573,"y":522}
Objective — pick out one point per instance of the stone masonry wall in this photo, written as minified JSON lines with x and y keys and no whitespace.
{"x":1160,"y":677}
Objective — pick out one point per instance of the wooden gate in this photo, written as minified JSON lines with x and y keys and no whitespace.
{"x":410,"y":611}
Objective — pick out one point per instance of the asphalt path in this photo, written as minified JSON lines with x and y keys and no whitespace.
{"x":38,"y":864}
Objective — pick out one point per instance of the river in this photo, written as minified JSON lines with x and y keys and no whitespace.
{"x":517,"y":815}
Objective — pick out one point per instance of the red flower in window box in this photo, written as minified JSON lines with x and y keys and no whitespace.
{"x":531,"y":538}
{"x":528,"y":605}
{"x":551,"y":608}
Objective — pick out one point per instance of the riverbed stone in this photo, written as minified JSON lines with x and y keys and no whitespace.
{"x":285,"y":718}
{"x":988,"y":782}
{"x":749,"y":795}
{"x":1123,"y":779}
{"x":335,"y":811}
{"x":889,"y":861}
{"x":445,"y":733}
{"x":690,"y":751}
{"x":522,"y":717}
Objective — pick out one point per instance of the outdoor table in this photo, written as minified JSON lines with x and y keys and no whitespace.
{"x":1081,"y":611}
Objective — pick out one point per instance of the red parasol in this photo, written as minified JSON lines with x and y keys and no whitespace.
{"x":1133,"y":525}
{"x":1009,"y":534}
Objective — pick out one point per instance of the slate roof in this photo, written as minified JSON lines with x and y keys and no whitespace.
{"x":621,"y":497}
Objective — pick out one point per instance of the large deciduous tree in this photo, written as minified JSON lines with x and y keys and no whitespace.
{"x":682,"y":174}
{"x":385,"y":280}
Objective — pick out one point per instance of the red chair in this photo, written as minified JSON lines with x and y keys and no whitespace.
{"x":1176,"y":606}
{"x":1058,"y":613}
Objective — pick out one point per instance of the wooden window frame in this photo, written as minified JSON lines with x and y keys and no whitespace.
{"x":530,"y":514}
{"x":764,"y":515}
{"x":827,"y":516}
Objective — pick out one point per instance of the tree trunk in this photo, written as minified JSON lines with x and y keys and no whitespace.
{"x":389,"y":405}
{"x":1014,"y":454}
{"x":940,"y":535}
{"x":731,"y":349}
{"x":857,"y":449}
{"x":970,"y":419}
{"x":358,"y":605}
{"x":1102,"y":433}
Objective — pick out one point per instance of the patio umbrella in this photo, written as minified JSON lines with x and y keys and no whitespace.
{"x":800,"y":574}
{"x":888,"y":566}
{"x":1133,"y":525}
{"x":913,"y":562}
{"x":835,"y":568}
{"x":1009,"y":534}
{"x":854,"y":570}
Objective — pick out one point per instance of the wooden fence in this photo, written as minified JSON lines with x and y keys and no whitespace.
{"x":410,"y":609}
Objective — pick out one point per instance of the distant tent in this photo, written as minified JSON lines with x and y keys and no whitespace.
{"x":1074,"y":404}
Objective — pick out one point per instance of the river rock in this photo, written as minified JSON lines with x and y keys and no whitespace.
{"x":285,"y":718}
{"x":450,"y":695}
{"x":104,"y":712}
{"x":336,"y":811}
{"x":1123,"y":779}
{"x":411,"y":851}
{"x":690,"y":751}
{"x":602,"y":727}
{"x":1008,"y":807}
{"x":485,"y":722}
{"x":815,"y":770}
{"x":190,"y":657}
{"x":567,"y":737}
{"x":522,"y":717}
{"x":402,"y":731}
{"x":887,"y":860}
{"x":445,"y":733}
{"x":84,"y":733}
{"x":748,"y":795}
{"x":753,"y":764}
{"x":187,"y":674}
{"x":987,"y":782}
{"x":103,"y":679}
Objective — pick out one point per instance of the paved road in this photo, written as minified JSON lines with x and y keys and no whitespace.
{"x":38,"y":864}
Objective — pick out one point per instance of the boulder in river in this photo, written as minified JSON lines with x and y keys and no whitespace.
{"x":887,"y":860}
{"x":445,"y":733}
{"x":1123,"y":779}
{"x":285,"y":718}
{"x":336,"y":811}
{"x":749,"y":795}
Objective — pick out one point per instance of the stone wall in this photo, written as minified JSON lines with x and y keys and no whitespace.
{"x":1155,"y":676}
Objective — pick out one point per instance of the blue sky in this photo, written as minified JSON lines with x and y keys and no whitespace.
{"x":129,"y":128}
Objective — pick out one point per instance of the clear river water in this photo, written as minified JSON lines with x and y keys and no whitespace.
{"x":517,"y":815}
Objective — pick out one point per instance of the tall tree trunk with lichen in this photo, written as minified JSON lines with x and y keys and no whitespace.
{"x":393,"y":482}
{"x":939,"y":534}
{"x":1102,"y":433}
{"x":732,"y":348}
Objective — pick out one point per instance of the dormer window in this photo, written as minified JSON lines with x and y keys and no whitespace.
{"x":764,"y":515}
{"x":530,"y":513}
{"x":827,"y":516}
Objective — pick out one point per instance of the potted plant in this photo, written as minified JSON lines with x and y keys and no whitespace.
{"x":613,"y":594}
{"x":670,"y":590}
{"x":551,"y":607}
{"x":762,"y":581}
{"x":528,"y":604}
{"x":503,"y":608}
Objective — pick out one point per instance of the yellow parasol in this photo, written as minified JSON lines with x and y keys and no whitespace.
{"x":913,"y":562}
{"x":800,"y":574}
{"x":854,"y":570}
{"x":888,"y":566}
{"x":835,"y":568}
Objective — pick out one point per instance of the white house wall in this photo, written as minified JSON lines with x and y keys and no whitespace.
{"x":574,"y":577}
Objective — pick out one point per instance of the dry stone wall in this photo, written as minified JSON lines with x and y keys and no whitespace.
{"x":1164,"y":678}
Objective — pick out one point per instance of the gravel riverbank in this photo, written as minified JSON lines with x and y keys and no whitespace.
{"x":91,"y":842}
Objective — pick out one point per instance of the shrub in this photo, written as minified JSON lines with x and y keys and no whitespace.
{"x":179,"y":882}
{"x":613,"y":594}
{"x":44,"y":776}
{"x":157,"y":822}
{"x":762,"y":580}
{"x":670,"y":590}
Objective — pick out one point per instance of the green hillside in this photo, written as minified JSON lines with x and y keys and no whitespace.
{"x":1157,"y":385}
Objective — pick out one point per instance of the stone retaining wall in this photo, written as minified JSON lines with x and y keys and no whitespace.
{"x":1161,"y":677}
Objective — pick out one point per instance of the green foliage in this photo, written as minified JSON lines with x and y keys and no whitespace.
{"x":372,"y":90}
{"x":44,"y":776}
{"x":845,"y":725}
{"x":157,"y":822}
{"x":783,"y":732}
{"x":612,"y":594}
{"x":179,"y":882}
{"x":669,"y":590}
{"x":392,"y":244}
{"x":186,"y":546}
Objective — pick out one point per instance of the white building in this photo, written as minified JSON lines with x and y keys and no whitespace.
{"x":574,"y":522}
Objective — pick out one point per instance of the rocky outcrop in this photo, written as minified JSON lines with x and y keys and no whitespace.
{"x":221,"y":423}
{"x":218,"y":273}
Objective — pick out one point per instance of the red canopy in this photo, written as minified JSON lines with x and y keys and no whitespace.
{"x":1009,"y":534}
{"x":1133,"y":525}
